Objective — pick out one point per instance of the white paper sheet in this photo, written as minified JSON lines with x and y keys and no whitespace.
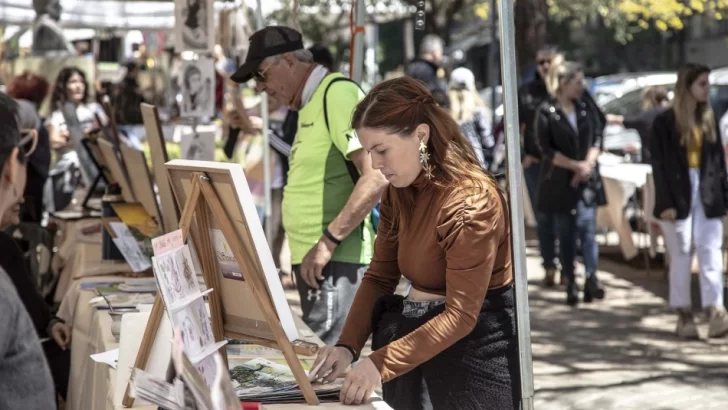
{"x":111,"y":357}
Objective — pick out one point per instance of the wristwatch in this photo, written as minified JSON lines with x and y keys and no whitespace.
{"x":331,"y":236}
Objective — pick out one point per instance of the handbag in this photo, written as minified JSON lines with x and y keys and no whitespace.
{"x":592,"y":193}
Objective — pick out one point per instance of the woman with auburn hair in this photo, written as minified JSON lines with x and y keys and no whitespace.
{"x":691,"y":195}
{"x":451,"y":342}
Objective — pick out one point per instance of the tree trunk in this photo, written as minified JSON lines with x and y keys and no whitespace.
{"x":531,"y":17}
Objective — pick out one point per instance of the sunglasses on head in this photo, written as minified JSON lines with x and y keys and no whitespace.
{"x":259,"y":76}
{"x":28,"y":141}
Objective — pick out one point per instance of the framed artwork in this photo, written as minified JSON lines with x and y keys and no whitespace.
{"x":242,"y":312}
{"x":194,"y":28}
{"x":198,"y":143}
{"x":118,"y":173}
{"x":158,"y":149}
{"x":197,"y":83}
{"x":141,"y":181}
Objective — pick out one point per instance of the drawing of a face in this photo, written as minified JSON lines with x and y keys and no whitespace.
{"x":195,"y":82}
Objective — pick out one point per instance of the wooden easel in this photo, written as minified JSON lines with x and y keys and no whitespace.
{"x":201,"y":197}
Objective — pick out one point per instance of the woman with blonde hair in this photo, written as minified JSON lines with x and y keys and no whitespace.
{"x":471,"y":113}
{"x":570,"y":187}
{"x":691,"y":196}
{"x":451,"y":342}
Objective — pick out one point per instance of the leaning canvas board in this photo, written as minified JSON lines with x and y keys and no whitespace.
{"x":242,"y":313}
{"x":117,"y":170}
{"x":158,"y":149}
{"x":141,"y":181}
{"x":132,"y":331}
{"x":197,"y":84}
{"x":194,"y":28}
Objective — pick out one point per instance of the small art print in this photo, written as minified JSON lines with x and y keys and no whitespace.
{"x":224,"y":255}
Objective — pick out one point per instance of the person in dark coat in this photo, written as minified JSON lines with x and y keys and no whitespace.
{"x":654,"y":103}
{"x":530,"y":96}
{"x":691,"y":195}
{"x":425,"y":68}
{"x":570,"y":188}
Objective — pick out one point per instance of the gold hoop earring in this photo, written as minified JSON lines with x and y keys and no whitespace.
{"x":425,"y":160}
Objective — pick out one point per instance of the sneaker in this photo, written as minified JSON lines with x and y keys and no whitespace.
{"x":550,"y":276}
{"x":718,"y":326}
{"x":686,"y":327}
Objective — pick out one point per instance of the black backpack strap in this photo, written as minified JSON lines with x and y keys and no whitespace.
{"x":353,"y":172}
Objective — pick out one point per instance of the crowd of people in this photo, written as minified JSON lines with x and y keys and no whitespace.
{"x":389,"y":189}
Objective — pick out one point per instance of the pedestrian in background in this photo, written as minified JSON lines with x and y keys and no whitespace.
{"x":691,"y":195}
{"x":471,"y":113}
{"x":530,"y":97}
{"x":570,"y":188}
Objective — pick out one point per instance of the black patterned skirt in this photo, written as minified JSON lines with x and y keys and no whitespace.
{"x":479,"y":371}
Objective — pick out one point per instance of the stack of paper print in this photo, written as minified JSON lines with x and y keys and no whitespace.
{"x":177,"y":281}
{"x":269,"y":382}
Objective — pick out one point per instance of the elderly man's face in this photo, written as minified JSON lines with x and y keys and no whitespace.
{"x":278,"y":78}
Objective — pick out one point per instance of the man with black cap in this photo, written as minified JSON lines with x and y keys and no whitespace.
{"x":331,"y":187}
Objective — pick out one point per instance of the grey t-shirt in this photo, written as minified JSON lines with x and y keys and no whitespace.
{"x":25,"y":380}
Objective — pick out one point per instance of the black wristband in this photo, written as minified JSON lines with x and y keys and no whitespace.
{"x":331,"y":237}
{"x":354,"y":355}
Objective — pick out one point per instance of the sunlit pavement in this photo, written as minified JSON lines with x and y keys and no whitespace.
{"x":619,"y":353}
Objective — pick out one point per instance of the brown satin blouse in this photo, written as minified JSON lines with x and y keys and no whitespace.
{"x":457,"y":245}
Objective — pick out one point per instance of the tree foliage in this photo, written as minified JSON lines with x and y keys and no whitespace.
{"x":627,"y":17}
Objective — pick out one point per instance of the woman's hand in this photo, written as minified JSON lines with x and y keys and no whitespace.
{"x":360,"y":383}
{"x":61,"y":333}
{"x":331,"y":362}
{"x":668,"y":214}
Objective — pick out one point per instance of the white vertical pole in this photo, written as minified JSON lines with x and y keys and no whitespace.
{"x":266,"y":145}
{"x":515,"y":190}
{"x":358,"y":60}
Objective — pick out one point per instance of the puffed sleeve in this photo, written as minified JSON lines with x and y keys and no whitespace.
{"x":381,"y":279}
{"x":471,"y":227}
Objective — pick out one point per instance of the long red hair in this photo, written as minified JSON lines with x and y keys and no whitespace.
{"x":397,"y":107}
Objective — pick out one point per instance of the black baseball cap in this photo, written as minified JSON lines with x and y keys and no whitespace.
{"x":268,"y":42}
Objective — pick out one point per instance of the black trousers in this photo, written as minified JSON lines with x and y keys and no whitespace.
{"x":60,"y":363}
{"x":479,"y":372}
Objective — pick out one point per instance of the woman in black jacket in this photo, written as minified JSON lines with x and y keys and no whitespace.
{"x":691,"y":193}
{"x":569,"y":185}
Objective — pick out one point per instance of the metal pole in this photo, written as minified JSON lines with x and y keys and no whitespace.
{"x":515,"y":189}
{"x":492,"y":63}
{"x":358,"y":60}
{"x":266,"y":145}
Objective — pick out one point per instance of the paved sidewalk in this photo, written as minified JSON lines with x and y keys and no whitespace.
{"x":620,"y":353}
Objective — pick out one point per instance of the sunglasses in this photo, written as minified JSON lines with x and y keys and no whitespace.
{"x":259,"y":76}
{"x":28,"y":141}
{"x":544,"y":61}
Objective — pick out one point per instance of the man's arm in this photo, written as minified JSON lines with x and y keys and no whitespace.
{"x":366,"y":194}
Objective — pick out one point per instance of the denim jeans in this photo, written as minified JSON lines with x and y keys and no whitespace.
{"x":582,"y":225}
{"x":545,"y":222}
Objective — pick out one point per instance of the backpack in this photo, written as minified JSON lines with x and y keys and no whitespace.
{"x":353,"y":172}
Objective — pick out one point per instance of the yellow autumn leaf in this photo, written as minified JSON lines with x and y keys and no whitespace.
{"x":718,"y":16}
{"x":482,"y":10}
{"x":676,"y":23}
{"x":697,"y":5}
{"x":661,"y":25}
{"x":643,"y":24}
